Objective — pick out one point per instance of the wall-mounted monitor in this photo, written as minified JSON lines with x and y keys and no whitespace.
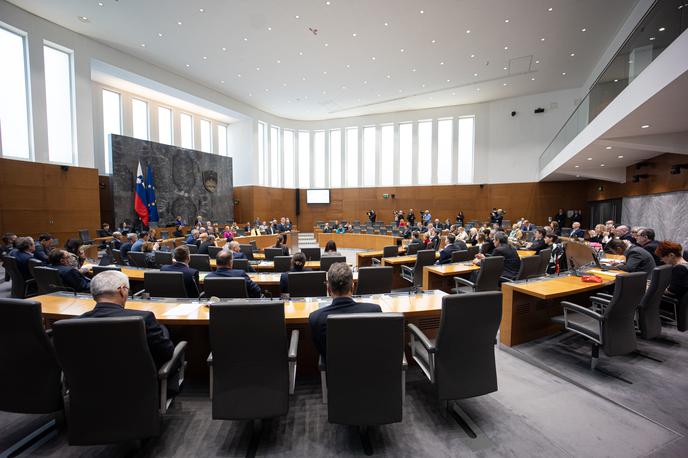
{"x":317,"y":196}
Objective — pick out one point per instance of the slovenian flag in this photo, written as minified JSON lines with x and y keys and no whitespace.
{"x":150,"y":194}
{"x":140,"y":200}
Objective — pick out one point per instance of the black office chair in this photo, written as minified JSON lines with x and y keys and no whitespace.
{"x":213,"y":251}
{"x":675,"y":310}
{"x":241,"y":264}
{"x":545,"y":256}
{"x":21,"y":287}
{"x":115,"y":391}
{"x":649,"y":320}
{"x":460,"y":256}
{"x":282,"y":263}
{"x":312,"y":254}
{"x":33,"y":263}
{"x":247,"y":249}
{"x":49,"y":281}
{"x":85,"y":237}
{"x":613,"y":329}
{"x":200,"y":262}
{"x":530,"y":268}
{"x":117,"y":256}
{"x":164,"y":284}
{"x":98,"y":269}
{"x":270,"y":253}
{"x":163,"y":258}
{"x":566,"y":231}
{"x":390,"y":251}
{"x":327,"y":261}
{"x":252,"y":370}
{"x":488,"y":277}
{"x":412,"y":248}
{"x":193,"y":249}
{"x":472,"y":251}
{"x":307,"y":284}
{"x":374,"y":280}
{"x":225,"y":288}
{"x":365,"y":367}
{"x":254,"y":244}
{"x":137,"y":259}
{"x":414,"y":275}
{"x":460,"y":362}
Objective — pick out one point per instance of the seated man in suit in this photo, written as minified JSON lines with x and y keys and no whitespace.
{"x":192,"y":238}
{"x":224,"y":269}
{"x":105,"y":231}
{"x":70,"y":276}
{"x":340,"y":285}
{"x":538,"y":244}
{"x":577,"y":231}
{"x":206,"y":241}
{"x":452,"y":246}
{"x":415,"y":238}
{"x":624,"y":233}
{"x":138,"y":244}
{"x":45,"y":242}
{"x":637,"y":258}
{"x":512,"y":262}
{"x":117,"y":240}
{"x":23,"y":251}
{"x":126,"y":246}
{"x":645,"y":238}
{"x":181,"y":264}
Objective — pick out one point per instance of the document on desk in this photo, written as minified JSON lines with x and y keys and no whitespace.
{"x":183,"y":309}
{"x":602,"y":272}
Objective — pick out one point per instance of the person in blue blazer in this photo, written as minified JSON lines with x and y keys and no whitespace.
{"x":224,"y":269}
{"x":181,"y":264}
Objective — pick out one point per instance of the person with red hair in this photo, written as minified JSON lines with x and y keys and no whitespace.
{"x":671,"y":253}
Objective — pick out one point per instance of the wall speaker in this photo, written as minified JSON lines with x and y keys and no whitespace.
{"x":297,"y":203}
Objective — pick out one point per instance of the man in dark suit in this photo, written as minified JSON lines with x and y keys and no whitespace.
{"x":181,"y":264}
{"x":538,"y":244}
{"x":624,"y":233}
{"x":512,"y":262}
{"x":126,"y":246}
{"x":415,"y":238}
{"x":340,"y":285}
{"x":105,"y":231}
{"x":560,"y":217}
{"x":637,"y":258}
{"x":527,"y":226}
{"x":71,"y":277}
{"x":645,"y":239}
{"x":577,"y":231}
{"x":45,"y":242}
{"x":224,"y":269}
{"x":206,"y":241}
{"x":452,"y":246}
{"x":22,"y":252}
{"x":110,"y":290}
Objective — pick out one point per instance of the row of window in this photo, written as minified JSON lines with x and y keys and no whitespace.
{"x":395,"y":154}
{"x":15,"y":116}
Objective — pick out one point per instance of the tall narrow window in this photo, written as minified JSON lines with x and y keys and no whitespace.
{"x":206,"y":136}
{"x":14,"y":101}
{"x":369,"y":156}
{"x":445,"y":129}
{"x":222,"y":140}
{"x":406,"y":154}
{"x":336,"y":158}
{"x":165,"y":125}
{"x":466,"y":149}
{"x":59,"y":104}
{"x":112,"y":122}
{"x":274,"y":156}
{"x":186,"y":130}
{"x":262,"y":145}
{"x":304,"y":159}
{"x":319,"y":159}
{"x":139,"y":119}
{"x":288,"y":158}
{"x":387,"y":155}
{"x":352,"y":157}
{"x":425,"y":152}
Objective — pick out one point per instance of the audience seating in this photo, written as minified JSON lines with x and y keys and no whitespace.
{"x":389,"y":251}
{"x":225,"y":288}
{"x":270,"y":253}
{"x":374,"y":280}
{"x":85,"y":237}
{"x":200,"y":262}
{"x":307,"y":284}
{"x":414,"y":274}
{"x":193,"y":249}
{"x":460,"y":256}
{"x":247,"y":249}
{"x":412,"y":248}
{"x":115,"y":392}
{"x":33,"y":263}
{"x":163,"y":258}
{"x":487,"y":278}
{"x":530,"y":268}
{"x":137,"y":259}
{"x":117,"y":256}
{"x":679,"y":311}
{"x":472,"y":251}
{"x":163,"y":284}
{"x":20,"y":285}
{"x":312,"y":254}
{"x":241,"y":264}
{"x":649,"y":321}
{"x":545,"y":256}
{"x":213,"y":251}
{"x":327,"y":261}
{"x":282,"y":263}
{"x":49,"y":281}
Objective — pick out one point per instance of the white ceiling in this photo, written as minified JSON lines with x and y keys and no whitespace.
{"x":262,"y":52}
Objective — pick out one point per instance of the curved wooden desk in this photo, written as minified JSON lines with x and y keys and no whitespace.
{"x":360,"y":241}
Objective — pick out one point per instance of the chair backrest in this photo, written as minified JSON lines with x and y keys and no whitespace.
{"x":117,"y":256}
{"x":460,"y":256}
{"x":137,"y":259}
{"x":225,"y":287}
{"x":565,"y":231}
{"x":472,"y":251}
{"x":112,"y":379}
{"x":163,"y":258}
{"x":18,"y":280}
{"x":423,"y":258}
{"x":488,"y":276}
{"x":530,"y":267}
{"x":412,"y":248}
{"x":364,"y":355}
{"x":30,"y":374}
{"x":200,"y":262}
{"x":164,"y":235}
{"x":327,"y":261}
{"x":282,"y":263}
{"x":682,"y":314}
{"x":84,"y":236}
{"x":247,"y":249}
{"x":254,"y":244}
{"x":648,"y":311}
{"x":618,"y":329}
{"x":240,"y":264}
{"x":465,"y":360}
{"x":164,"y":284}
{"x":390,"y":251}
{"x":374,"y":280}
{"x":213,"y":251}
{"x":545,"y":256}
{"x":33,"y":263}
{"x":307,"y":284}
{"x":270,"y":253}
{"x":193,"y":249}
{"x":312,"y":254}
{"x":98,"y":269}
{"x":48,"y":279}
{"x":253,"y":382}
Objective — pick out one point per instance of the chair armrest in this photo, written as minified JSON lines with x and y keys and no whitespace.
{"x":209,"y":361}
{"x":462,"y":281}
{"x":599,"y":299}
{"x":580,"y":309}
{"x":321,"y":364}
{"x":49,"y":333}
{"x":138,"y":293}
{"x":420,"y":335}
{"x":605,"y":296}
{"x":404,"y":363}
{"x":293,"y":345}
{"x":408,"y":270}
{"x":375,"y":261}
{"x":177,"y":355}
{"x":505,"y":279}
{"x":670,"y":298}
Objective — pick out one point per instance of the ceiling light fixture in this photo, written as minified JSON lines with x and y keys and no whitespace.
{"x":179,"y":22}
{"x":402,"y":50}
{"x":644,"y":126}
{"x":433,"y":41}
{"x":327,"y":44}
{"x":584,"y":29}
{"x":472,"y":56}
{"x":100,"y":3}
{"x":422,"y":12}
{"x":245,"y":39}
{"x":550,"y":8}
{"x":506,"y":68}
{"x":448,"y":81}
{"x":300,"y":53}
{"x":278,"y":61}
{"x":477,"y":89}
{"x":413,"y":70}
{"x":297,"y":17}
{"x":506,"y":21}
{"x":269,"y":29}
{"x":577,"y":166}
{"x":238,"y":75}
{"x":542,"y":39}
{"x":537,"y":61}
{"x":616,"y":81}
{"x":205,"y":57}
{"x":222,"y":81}
{"x":388,"y":76}
{"x":386,"y":24}
{"x":563,"y":73}
{"x":620,"y":156}
{"x":201,"y":10}
{"x":572,"y":54}
{"x":652,"y":38}
{"x":532,"y":79}
{"x":475,"y":74}
{"x":505,"y":84}
{"x":468,"y":31}
{"x":590,"y":159}
{"x":506,"y":48}
{"x":601,"y":165}
{"x":160,"y":35}
{"x":143,"y":45}
{"x":257,"y":69}
{"x":82,"y":18}
{"x":353,"y":35}
{"x":187,"y":65}
{"x":607,"y":147}
{"x":662,"y":29}
{"x":372,"y":58}
{"x":441,"y":63}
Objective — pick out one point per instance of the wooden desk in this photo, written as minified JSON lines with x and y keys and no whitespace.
{"x":528,"y":306}
{"x":442,"y":276}
{"x":396,"y":262}
{"x":269,"y":266}
{"x":365,"y":258}
{"x":266,"y":241}
{"x":361,"y":241}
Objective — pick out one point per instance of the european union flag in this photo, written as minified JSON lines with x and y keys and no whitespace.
{"x":150,"y":193}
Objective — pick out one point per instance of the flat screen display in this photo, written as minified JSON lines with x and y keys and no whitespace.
{"x":317,"y":196}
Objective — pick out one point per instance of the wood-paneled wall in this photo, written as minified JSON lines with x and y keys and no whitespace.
{"x":37,"y":198}
{"x":265,"y":203}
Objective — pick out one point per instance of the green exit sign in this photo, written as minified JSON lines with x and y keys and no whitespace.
{"x":385,"y":196}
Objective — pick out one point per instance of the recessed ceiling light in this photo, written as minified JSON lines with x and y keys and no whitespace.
{"x":572,"y":54}
{"x":343,"y":87}
{"x":616,"y":81}
{"x":468,"y":31}
{"x":300,"y":53}
{"x":537,"y":61}
{"x":324,"y":92}
{"x":348,"y":66}
{"x":238,"y":75}
{"x":278,"y":61}
{"x":402,"y":50}
{"x":324,"y":72}
{"x":188,"y":65}
{"x":413,"y":70}
{"x":563,"y":73}
{"x":297,"y":17}
{"x":257,"y":69}
{"x":205,"y":57}
{"x":577,"y":166}
{"x":386,"y":24}
{"x":378,"y":95}
{"x":448,"y":81}
{"x":662,"y":29}
{"x":388,"y":76}
{"x":652,"y":38}
{"x":477,"y":89}
{"x":354,"y":35}
{"x":327,"y":44}
{"x":584,"y":29}
{"x":422,"y":85}
{"x":441,"y":63}
{"x":433,"y":41}
{"x":532,"y":79}
{"x":372,"y":58}
{"x":620,"y":156}
{"x":644,"y":126}
{"x":590,"y":159}
{"x":201,"y":10}
{"x":472,"y":56}
{"x":601,"y":165}
{"x":269,"y":29}
{"x":506,"y":68}
{"x":303,"y":78}
{"x":505,"y":48}
{"x":143,"y":45}
{"x":267,"y":90}
{"x":505,"y":84}
{"x":607,"y":147}
{"x":82,"y":18}
{"x":100,"y":3}
{"x":245,"y":39}
{"x":550,"y":8}
{"x":222,"y":81}
{"x":365,"y":82}
{"x":506,"y":21}
{"x":421,"y":11}
{"x":327,"y":3}
{"x":179,"y":22}
{"x":542,"y":39}
{"x":475,"y":74}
